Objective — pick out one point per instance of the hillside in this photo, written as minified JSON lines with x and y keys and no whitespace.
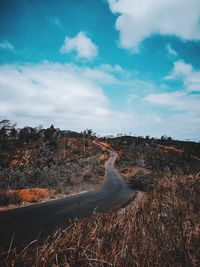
{"x":160,"y":227}
{"x":48,"y":164}
{"x":143,"y":161}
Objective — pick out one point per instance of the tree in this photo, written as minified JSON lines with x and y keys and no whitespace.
{"x":87,"y":135}
{"x":27,"y":135}
{"x":5,"y":126}
{"x":13,"y":133}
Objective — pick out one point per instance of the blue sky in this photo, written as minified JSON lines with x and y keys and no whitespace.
{"x":116,"y":66}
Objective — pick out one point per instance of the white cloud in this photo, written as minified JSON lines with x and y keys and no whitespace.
{"x":61,"y":94}
{"x":76,"y":98}
{"x":139,"y":19}
{"x":176,"y":100}
{"x":185,"y":72}
{"x":182,"y":106}
{"x":81,"y":44}
{"x":55,"y":20}
{"x":7,"y":46}
{"x":171,"y":51}
{"x":99,"y":76}
{"x":182,"y":119}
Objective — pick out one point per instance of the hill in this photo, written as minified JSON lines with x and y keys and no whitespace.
{"x":47,"y":163}
{"x":159,"y":228}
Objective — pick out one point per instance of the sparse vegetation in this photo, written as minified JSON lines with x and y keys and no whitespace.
{"x":61,"y":161}
{"x":160,"y":228}
{"x":7,"y":198}
{"x":143,"y":161}
{"x":32,"y":195}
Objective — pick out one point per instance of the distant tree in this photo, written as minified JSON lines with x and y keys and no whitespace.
{"x":5,"y":127}
{"x":49,"y":132}
{"x":5,"y":123}
{"x":13,"y":133}
{"x":165,"y":138}
{"x":5,"y":144}
{"x":87,"y":135}
{"x":147,"y":137}
{"x":28,"y":135}
{"x":39,"y":127}
{"x":7,"y":132}
{"x":53,"y":135}
{"x":3,"y":133}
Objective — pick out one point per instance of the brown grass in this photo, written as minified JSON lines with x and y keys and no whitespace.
{"x":161,"y":228}
{"x":31,"y":195}
{"x":105,"y":144}
{"x":170,"y":148}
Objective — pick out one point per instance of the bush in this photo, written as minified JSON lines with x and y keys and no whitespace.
{"x":7,"y":198}
{"x":141,"y":182}
{"x":33,"y":195}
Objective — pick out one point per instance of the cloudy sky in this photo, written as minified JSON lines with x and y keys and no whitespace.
{"x":115,"y":66}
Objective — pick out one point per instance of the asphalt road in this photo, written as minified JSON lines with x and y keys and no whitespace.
{"x":25,"y":224}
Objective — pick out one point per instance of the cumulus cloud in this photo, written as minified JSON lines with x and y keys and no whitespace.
{"x":81,"y":44}
{"x":183,"y":109}
{"x":182,"y":106}
{"x":7,"y":46}
{"x":176,"y":100}
{"x":76,"y":98}
{"x":186,"y":73}
{"x":65,"y":95}
{"x":139,"y":19}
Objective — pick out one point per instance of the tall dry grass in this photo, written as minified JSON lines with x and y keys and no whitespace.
{"x":161,"y":229}
{"x":33,"y":194}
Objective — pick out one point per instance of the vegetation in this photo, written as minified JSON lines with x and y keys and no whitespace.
{"x":31,"y":195}
{"x":7,"y":198}
{"x":61,"y":161}
{"x":160,"y":228}
{"x":143,"y":161}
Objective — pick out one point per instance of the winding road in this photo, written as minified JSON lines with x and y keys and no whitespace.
{"x":27,"y":223}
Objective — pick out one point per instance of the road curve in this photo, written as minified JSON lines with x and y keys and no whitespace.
{"x":25,"y":224}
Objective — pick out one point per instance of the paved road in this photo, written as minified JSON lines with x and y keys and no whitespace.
{"x":26,"y":223}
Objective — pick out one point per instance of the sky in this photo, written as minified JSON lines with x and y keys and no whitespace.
{"x":114,"y":66}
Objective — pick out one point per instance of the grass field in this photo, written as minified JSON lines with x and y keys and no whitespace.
{"x":160,"y":228}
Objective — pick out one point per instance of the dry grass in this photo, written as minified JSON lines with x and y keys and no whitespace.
{"x":161,"y":228}
{"x":129,"y":172}
{"x":105,"y":144}
{"x":10,"y":199}
{"x":170,"y":148}
{"x":32,"y":195}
